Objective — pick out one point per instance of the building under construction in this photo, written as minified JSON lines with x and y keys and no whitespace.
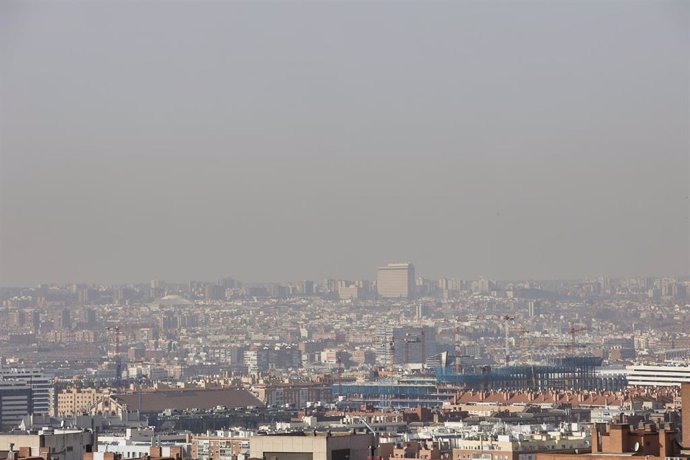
{"x":565,"y":373}
{"x":402,"y":392}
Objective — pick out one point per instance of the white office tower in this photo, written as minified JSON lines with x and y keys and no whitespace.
{"x":41,"y":386}
{"x":396,"y":281}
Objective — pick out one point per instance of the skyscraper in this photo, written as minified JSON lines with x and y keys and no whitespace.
{"x":396,"y":281}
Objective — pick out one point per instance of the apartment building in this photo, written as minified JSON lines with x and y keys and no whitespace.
{"x":75,"y":401}
{"x":509,"y":447}
{"x":296,"y":394}
{"x":220,"y":445}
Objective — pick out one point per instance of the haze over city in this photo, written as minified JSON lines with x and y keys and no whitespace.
{"x":289,"y":141}
{"x":344,"y":230}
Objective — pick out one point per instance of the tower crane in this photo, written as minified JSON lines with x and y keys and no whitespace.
{"x":514,"y":330}
{"x":391,"y":351}
{"x":118,"y":358}
{"x":339,"y":370}
{"x":506,"y":328}
{"x":573,"y":330}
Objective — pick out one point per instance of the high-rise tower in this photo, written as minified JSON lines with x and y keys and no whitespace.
{"x":396,"y":281}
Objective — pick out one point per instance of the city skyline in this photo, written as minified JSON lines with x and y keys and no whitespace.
{"x":344,"y":230}
{"x":373,"y":278}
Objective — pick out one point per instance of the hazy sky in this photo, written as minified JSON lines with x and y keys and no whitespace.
{"x":287,"y":141}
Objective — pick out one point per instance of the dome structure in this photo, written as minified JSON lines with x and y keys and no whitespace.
{"x":172,"y":301}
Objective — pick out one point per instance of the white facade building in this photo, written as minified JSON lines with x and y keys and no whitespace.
{"x":645,"y":375}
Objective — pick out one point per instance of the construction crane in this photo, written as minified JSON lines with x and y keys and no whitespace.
{"x":118,"y":358}
{"x":339,"y":371}
{"x":423,"y":351}
{"x":456,"y":341}
{"x":514,"y":330}
{"x":506,"y":328}
{"x":573,"y":330}
{"x":571,"y":376}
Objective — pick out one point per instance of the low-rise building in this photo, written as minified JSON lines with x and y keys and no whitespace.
{"x":316,"y":446}
{"x":508,"y":447}
{"x":416,"y":450}
{"x":620,"y":441}
{"x":221,"y":445}
{"x":53,"y":444}
{"x":136,"y":443}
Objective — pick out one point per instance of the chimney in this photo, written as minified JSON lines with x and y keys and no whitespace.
{"x":649,"y":427}
{"x":667,"y":445}
{"x":596,"y":439}
{"x":618,"y":437}
{"x":685,"y":411}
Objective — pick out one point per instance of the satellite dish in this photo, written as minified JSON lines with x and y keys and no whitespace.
{"x":636,"y":448}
